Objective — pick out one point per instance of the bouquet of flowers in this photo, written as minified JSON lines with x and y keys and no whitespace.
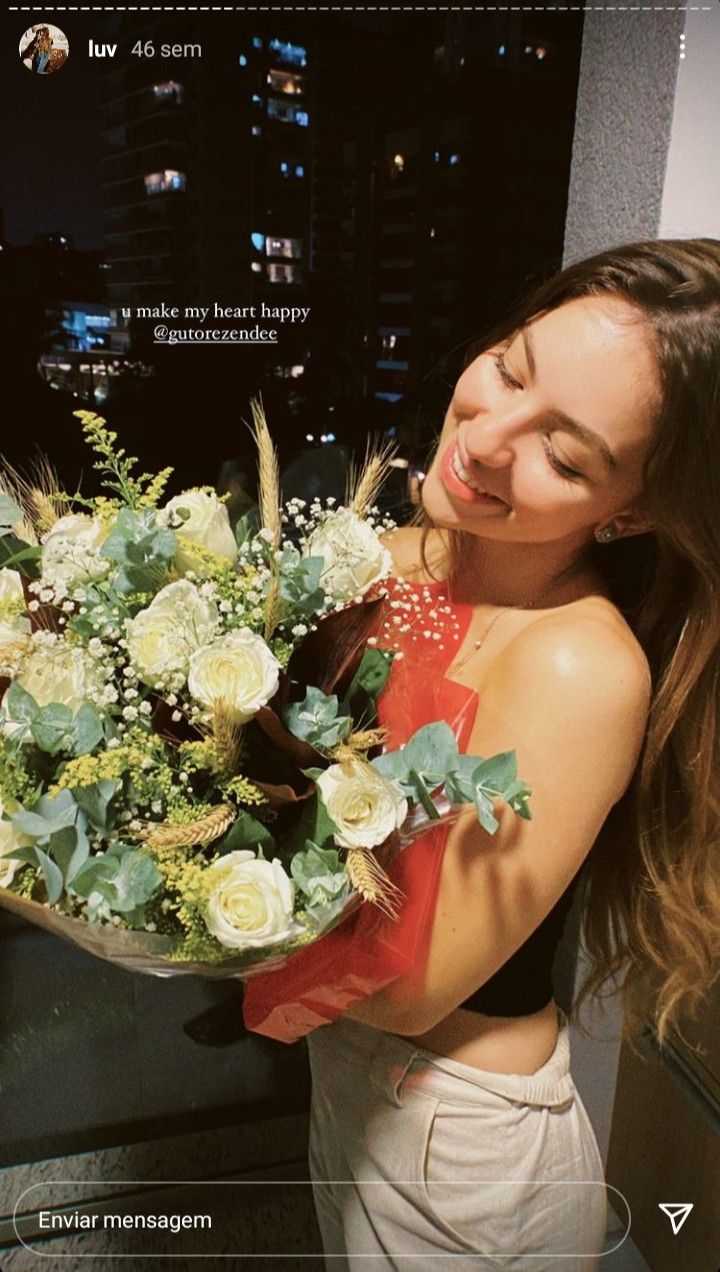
{"x":192,"y":779}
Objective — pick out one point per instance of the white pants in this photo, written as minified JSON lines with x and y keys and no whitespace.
{"x":428,"y":1164}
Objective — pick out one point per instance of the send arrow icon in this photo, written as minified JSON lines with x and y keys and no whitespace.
{"x":677,"y":1213}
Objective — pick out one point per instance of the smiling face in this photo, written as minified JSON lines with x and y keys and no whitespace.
{"x":555,"y":425}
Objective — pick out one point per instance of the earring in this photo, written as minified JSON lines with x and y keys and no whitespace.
{"x":606,"y":534}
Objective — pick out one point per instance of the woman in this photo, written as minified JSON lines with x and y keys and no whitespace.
{"x":39,"y":50}
{"x":587,"y":424}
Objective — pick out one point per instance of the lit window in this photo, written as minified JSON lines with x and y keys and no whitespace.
{"x":540,"y":52}
{"x":164,"y":182}
{"x":436,"y":156}
{"x":388,"y":343}
{"x":299,"y":170}
{"x":258,"y":241}
{"x":502,"y":50}
{"x":256,"y":267}
{"x":284,"y":168}
{"x":242,"y":60}
{"x":169,"y":91}
{"x":454,"y":160}
{"x":398,"y":162}
{"x":285,"y":81}
{"x":257,"y":99}
{"x":257,"y":41}
{"x":280,"y":273}
{"x":288,"y":247}
{"x":293,"y":54}
{"x":256,"y":130}
{"x":287,"y":113}
{"x":432,"y":231}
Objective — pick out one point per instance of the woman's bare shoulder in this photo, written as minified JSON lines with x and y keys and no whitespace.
{"x":589,"y":639}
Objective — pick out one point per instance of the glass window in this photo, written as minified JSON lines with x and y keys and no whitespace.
{"x":164,"y":182}
{"x":287,"y":112}
{"x":286,"y":81}
{"x":170,"y":91}
{"x":242,"y":60}
{"x":257,"y":41}
{"x":281,"y":273}
{"x":256,"y":130}
{"x":258,"y":241}
{"x":256,"y":267}
{"x":299,"y":170}
{"x":288,"y":247}
{"x":293,"y":54}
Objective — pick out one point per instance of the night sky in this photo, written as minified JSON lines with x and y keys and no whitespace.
{"x":50,"y":174}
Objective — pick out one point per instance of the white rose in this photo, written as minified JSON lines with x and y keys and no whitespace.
{"x":9,"y":840}
{"x":203,"y":519}
{"x":365,"y":806}
{"x":161,"y":638}
{"x":56,"y":672}
{"x":71,"y":550}
{"x":251,"y":901}
{"x":14,"y":623}
{"x":353,"y":554}
{"x":238,"y":669}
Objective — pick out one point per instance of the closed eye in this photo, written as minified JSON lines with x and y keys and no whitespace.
{"x":569,"y":474}
{"x":503,"y":372}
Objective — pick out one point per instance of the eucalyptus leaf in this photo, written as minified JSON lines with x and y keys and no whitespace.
{"x":485,"y":811}
{"x":141,"y":547}
{"x":97,"y":872}
{"x":245,"y":832}
{"x":10,"y":512}
{"x":95,"y":803}
{"x":316,"y":719}
{"x":319,"y":874}
{"x":19,"y":706}
{"x":124,"y":883}
{"x":48,"y":815}
{"x":88,"y":729}
{"x":52,"y":875}
{"x":430,"y":754}
{"x":51,"y":728}
{"x":69,"y":849}
{"x":135,"y":881}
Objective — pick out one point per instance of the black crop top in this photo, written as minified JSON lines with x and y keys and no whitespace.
{"x":524,"y":984}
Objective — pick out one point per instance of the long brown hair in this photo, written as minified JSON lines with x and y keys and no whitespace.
{"x":651,"y":902}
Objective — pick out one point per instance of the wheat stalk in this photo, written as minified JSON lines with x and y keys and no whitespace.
{"x":363,"y":487}
{"x":368,"y":877}
{"x":269,"y":505}
{"x":358,"y":742}
{"x":226,"y":736}
{"x":201,"y":831}
{"x":40,"y":497}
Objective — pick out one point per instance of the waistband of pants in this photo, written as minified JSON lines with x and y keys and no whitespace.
{"x":397,"y":1066}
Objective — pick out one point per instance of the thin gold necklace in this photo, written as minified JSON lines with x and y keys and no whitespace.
{"x":458,"y":666}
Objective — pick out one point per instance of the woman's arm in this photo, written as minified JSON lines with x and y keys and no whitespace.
{"x":571,"y":699}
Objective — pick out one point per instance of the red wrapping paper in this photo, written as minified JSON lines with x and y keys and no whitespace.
{"x":369,"y":949}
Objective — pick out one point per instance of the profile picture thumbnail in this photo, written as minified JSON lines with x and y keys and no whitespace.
{"x":44,"y":48}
